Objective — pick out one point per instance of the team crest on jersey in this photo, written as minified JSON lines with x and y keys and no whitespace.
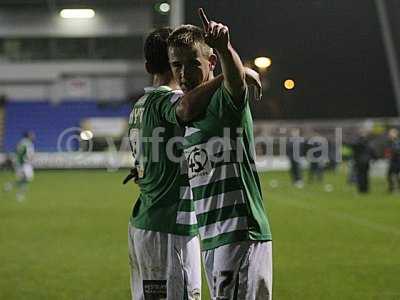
{"x":198,"y":163}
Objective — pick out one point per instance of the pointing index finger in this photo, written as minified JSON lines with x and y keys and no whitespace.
{"x":204,"y":19}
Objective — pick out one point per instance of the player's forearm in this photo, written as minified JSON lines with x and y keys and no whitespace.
{"x":194,"y":103}
{"x":234,"y":74}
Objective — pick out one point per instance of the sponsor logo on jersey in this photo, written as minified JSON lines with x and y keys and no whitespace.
{"x":198,"y":163}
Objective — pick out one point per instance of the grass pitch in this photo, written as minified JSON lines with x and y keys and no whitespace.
{"x":68,"y":240}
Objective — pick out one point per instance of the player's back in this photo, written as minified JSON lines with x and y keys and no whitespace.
{"x":152,"y":126}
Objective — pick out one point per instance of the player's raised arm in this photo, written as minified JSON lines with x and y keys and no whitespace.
{"x":195,"y":102}
{"x":217,"y":37}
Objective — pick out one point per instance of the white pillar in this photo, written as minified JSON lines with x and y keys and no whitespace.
{"x":390,"y":49}
{"x":177,"y":13}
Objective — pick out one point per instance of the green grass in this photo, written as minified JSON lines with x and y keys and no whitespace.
{"x":68,"y":240}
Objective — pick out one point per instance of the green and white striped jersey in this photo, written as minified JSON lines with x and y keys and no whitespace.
{"x":152,"y":124}
{"x":224,"y":182}
{"x":24,"y":152}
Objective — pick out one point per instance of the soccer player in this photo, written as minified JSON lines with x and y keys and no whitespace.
{"x":23,"y":165}
{"x":234,"y":231}
{"x":164,"y":249}
{"x":393,"y":154}
{"x":363,"y":155}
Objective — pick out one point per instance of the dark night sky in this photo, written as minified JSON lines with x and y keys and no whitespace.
{"x":332,"y":48}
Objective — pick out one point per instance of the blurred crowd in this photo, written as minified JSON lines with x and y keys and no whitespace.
{"x":357,"y":153}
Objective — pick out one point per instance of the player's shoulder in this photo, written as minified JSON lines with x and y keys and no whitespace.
{"x":164,"y":93}
{"x":24,"y":142}
{"x":223,"y":106}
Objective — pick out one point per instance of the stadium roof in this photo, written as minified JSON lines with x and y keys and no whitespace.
{"x":58,"y":3}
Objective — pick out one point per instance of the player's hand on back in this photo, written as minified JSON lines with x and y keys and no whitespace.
{"x":216,"y":34}
{"x":253,"y":79}
{"x":133,"y":175}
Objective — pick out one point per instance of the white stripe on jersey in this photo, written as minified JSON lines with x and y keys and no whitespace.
{"x":214,"y":146}
{"x":177,"y":94}
{"x":229,"y":225}
{"x":219,"y":201}
{"x":186,"y":218}
{"x":216,"y":174}
{"x":190,"y":131}
{"x":185,"y":193}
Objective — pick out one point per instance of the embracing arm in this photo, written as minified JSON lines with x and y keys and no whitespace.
{"x":194,"y":103}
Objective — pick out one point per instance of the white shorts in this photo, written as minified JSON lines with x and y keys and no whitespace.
{"x":164,"y":266}
{"x":24,"y":172}
{"x":241,"y":270}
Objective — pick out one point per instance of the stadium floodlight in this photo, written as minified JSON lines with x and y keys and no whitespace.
{"x":164,"y":7}
{"x":86,"y":135}
{"x":262,"y":62}
{"x":289,"y":84}
{"x":77,"y":13}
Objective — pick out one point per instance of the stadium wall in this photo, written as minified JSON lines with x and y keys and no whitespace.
{"x":43,"y":22}
{"x":29,"y":71}
{"x":78,"y":79}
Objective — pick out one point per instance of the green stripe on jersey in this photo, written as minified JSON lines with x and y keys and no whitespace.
{"x":223,"y":186}
{"x":222,"y":214}
{"x":186,"y":205}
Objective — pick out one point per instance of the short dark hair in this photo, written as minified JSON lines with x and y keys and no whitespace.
{"x":188,"y":36}
{"x":28,"y":133}
{"x":156,"y":51}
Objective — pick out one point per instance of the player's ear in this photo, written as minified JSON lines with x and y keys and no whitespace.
{"x":213,"y":61}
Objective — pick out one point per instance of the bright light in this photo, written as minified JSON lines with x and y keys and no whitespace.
{"x":262,"y":62}
{"x":164,"y":7}
{"x":289,"y":84}
{"x":86,"y":135}
{"x":77,"y":13}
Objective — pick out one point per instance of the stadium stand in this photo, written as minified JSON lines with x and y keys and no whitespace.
{"x":49,"y":120}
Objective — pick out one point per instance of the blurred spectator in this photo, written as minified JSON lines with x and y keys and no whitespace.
{"x":392,"y":153}
{"x":362,"y":155}
{"x":294,"y":150}
{"x":315,"y":159}
{"x":347,"y":155}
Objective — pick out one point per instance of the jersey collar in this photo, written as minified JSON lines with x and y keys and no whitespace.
{"x":150,"y":89}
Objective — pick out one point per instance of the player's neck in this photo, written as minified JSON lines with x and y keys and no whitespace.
{"x":165,"y":79}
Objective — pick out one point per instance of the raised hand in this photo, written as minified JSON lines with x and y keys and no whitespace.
{"x":216,"y":34}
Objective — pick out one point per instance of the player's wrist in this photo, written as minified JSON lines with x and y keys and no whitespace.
{"x":225,"y":50}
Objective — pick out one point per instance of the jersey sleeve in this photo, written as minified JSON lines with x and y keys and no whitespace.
{"x":228,"y":99}
{"x":166,"y":106}
{"x":223,"y":108}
